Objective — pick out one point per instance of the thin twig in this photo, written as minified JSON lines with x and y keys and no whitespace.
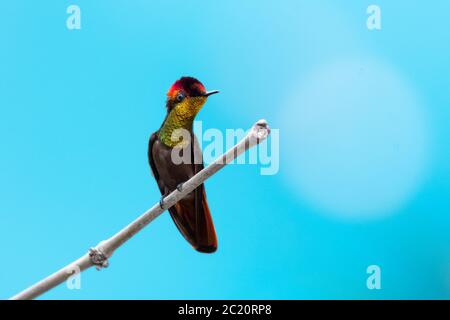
{"x":99,"y":255}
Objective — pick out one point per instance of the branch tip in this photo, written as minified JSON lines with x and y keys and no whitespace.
{"x":261,"y":130}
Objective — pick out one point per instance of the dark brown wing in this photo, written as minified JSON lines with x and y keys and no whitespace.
{"x":195,"y":223}
{"x":151,"y":141}
{"x":192,"y":215}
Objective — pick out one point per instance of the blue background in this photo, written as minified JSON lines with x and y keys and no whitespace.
{"x":355,"y":108}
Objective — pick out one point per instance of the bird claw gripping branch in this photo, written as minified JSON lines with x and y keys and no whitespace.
{"x":98,"y":258}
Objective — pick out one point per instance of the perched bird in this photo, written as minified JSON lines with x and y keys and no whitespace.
{"x":191,"y":214}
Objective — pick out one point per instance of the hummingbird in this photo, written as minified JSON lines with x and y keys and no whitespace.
{"x":191,"y":214}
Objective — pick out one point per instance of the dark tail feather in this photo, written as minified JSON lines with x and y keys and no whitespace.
{"x":195,"y":224}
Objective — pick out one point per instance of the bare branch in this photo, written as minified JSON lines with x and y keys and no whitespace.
{"x":99,"y":255}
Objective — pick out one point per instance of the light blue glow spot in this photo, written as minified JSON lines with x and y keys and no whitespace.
{"x":358,"y":137}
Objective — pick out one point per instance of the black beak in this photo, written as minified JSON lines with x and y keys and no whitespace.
{"x":209,"y":93}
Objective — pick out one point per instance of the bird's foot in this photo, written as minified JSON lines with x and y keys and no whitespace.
{"x":180,"y":187}
{"x":161,"y":202}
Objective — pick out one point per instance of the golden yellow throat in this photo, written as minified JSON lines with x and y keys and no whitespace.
{"x":181,"y":117}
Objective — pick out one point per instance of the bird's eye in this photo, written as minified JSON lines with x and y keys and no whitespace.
{"x":180,"y":97}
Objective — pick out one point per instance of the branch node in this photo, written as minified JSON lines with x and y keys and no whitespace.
{"x":98,"y":258}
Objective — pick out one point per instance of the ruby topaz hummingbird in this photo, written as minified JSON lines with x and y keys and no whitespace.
{"x":191,"y":214}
